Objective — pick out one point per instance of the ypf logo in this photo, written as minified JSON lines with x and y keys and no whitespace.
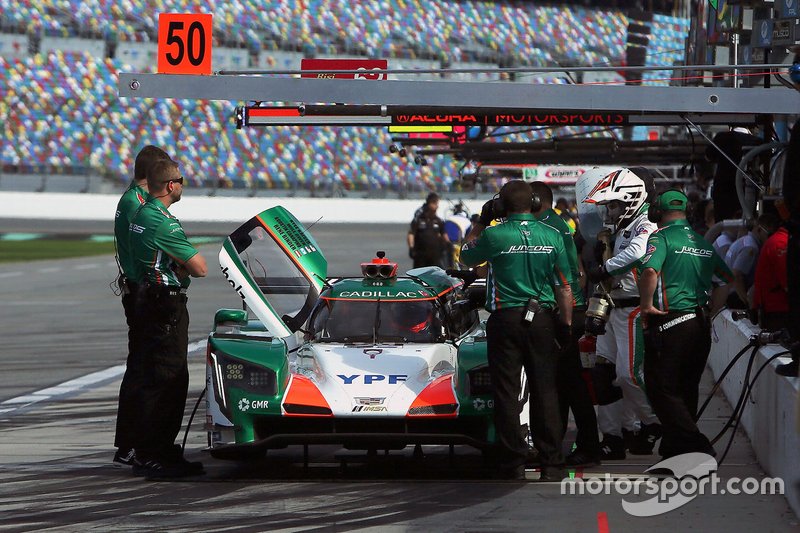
{"x":244,"y":404}
{"x":764,"y":29}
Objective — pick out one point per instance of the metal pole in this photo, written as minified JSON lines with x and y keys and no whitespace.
{"x":735,"y":38}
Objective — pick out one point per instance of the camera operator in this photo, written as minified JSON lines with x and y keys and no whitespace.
{"x":572,"y":388}
{"x":675,"y":278}
{"x":625,"y":193}
{"x":527,"y":281}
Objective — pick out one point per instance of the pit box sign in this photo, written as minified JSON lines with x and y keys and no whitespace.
{"x":184,"y":43}
{"x":364,"y":67}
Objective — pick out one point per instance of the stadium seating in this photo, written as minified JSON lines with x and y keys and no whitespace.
{"x":61,"y":111}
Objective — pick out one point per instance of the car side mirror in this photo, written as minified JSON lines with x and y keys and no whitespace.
{"x":230,"y":318}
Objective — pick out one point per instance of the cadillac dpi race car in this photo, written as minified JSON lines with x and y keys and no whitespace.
{"x":376,"y":361}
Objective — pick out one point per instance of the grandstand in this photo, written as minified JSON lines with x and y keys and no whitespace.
{"x":60,"y":112}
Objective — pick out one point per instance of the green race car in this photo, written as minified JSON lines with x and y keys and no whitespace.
{"x":374,"y":361}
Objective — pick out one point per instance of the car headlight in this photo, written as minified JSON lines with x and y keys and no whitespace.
{"x":249,"y":377}
{"x":480,"y":381}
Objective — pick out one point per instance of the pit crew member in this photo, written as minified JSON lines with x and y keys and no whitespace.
{"x":625,"y":194}
{"x":573,"y":392}
{"x":527,"y":282}
{"x":164,"y":260}
{"x":675,"y":278}
{"x":131,"y":200}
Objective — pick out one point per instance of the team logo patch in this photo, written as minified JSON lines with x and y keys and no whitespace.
{"x":642,"y":230}
{"x":650,"y":248}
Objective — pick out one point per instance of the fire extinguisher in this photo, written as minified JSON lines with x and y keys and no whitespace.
{"x":587,"y":345}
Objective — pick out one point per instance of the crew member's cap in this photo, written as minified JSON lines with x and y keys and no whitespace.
{"x":672,"y":201}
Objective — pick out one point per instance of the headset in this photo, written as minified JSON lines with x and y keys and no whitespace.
{"x":499,"y":208}
{"x":654,"y":212}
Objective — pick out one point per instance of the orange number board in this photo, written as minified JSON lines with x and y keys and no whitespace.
{"x":184,"y":43}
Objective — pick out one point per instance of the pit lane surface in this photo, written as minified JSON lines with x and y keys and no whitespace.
{"x":60,"y":322}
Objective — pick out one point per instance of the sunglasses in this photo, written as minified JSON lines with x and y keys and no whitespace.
{"x":179,"y":180}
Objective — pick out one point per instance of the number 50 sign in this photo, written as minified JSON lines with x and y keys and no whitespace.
{"x":184,"y":43}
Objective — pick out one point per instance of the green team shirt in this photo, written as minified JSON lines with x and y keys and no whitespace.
{"x":157,"y":241}
{"x":128,"y":204}
{"x":686,"y":264}
{"x":527,"y":259}
{"x":554,"y":220}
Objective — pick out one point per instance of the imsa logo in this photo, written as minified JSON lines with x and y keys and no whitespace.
{"x":369,"y":409}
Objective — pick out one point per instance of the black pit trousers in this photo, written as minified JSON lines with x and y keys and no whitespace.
{"x":127,"y":410}
{"x":674,"y":360}
{"x":574,"y":393}
{"x":513,"y":344}
{"x":162,"y":333}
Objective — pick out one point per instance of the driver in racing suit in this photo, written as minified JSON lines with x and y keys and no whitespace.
{"x":624,"y":193}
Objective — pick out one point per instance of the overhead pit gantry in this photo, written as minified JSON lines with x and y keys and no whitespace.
{"x":307,"y":101}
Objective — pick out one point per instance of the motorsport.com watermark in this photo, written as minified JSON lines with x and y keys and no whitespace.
{"x":694,"y":475}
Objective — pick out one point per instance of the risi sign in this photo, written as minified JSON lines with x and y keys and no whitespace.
{"x":364,"y":66}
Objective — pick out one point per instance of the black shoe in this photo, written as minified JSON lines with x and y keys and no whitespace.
{"x":125,"y":457}
{"x":629,"y":437}
{"x":582,"y":458}
{"x":612,"y":448}
{"x":552,"y":473}
{"x":645,"y":439}
{"x":177,"y":457}
{"x":788,"y":369}
{"x":155,"y":469}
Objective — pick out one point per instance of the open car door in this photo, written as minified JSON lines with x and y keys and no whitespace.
{"x":276,"y":267}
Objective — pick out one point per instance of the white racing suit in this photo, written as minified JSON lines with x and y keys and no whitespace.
{"x":623,"y":341}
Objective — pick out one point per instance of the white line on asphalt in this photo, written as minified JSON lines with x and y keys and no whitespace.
{"x":72,"y":386}
{"x":48,"y":270}
{"x":65,"y":388}
{"x":86,"y":267}
{"x":10,"y":274}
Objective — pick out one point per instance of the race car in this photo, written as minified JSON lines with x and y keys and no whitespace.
{"x":374,"y":361}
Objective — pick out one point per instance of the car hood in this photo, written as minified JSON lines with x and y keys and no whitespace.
{"x":373,"y":380}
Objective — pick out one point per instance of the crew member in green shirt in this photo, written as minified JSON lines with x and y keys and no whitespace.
{"x":527,"y":283}
{"x":675,"y":278}
{"x":572,"y":388}
{"x":133,"y":198}
{"x":164,"y":260}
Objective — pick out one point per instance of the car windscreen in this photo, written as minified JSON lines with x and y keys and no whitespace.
{"x":376,"y":321}
{"x":270,"y":268}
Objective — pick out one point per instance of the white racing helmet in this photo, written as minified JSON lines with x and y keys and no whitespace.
{"x":632,"y":187}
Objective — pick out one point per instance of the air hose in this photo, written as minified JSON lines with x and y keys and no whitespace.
{"x":191,"y":418}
